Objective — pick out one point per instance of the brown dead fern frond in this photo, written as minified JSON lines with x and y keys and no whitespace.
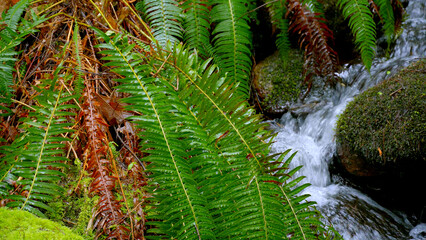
{"x":109,"y":217}
{"x":314,"y":39}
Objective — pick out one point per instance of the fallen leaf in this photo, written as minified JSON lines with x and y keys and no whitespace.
{"x":112,"y":110}
{"x":380,"y":151}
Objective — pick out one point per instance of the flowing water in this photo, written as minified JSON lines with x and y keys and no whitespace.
{"x":353,"y":214}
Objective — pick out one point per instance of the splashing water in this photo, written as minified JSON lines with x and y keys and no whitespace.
{"x":353,"y":214}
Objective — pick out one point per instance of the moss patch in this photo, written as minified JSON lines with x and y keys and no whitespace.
{"x":277,"y":82}
{"x":18,"y":224}
{"x":386,"y":123}
{"x":74,"y":208}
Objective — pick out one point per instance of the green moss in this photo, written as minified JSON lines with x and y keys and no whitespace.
{"x":278,"y":82}
{"x":386,"y":123}
{"x":18,"y":224}
{"x":85,"y":205}
{"x":75,"y":209}
{"x":286,"y":78}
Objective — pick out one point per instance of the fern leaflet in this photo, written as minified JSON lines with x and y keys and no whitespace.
{"x":38,"y":156}
{"x":232,"y":41}
{"x":363,"y":27}
{"x":164,"y":17}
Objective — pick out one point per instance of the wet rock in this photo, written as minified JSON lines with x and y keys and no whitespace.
{"x":277,"y":84}
{"x":355,"y":164}
{"x":385,"y":124}
{"x":301,"y":110}
{"x":381,"y":140}
{"x":356,"y":216}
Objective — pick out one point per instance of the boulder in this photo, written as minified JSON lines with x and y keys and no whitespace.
{"x":277,"y":83}
{"x":381,"y":140}
{"x":385,"y":125}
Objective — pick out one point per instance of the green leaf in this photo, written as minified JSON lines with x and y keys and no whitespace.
{"x":164,"y":18}
{"x":33,"y":155}
{"x":363,"y":27}
{"x":196,"y":24}
{"x":232,"y":41}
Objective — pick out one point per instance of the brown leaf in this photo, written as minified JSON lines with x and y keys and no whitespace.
{"x":112,"y":110}
{"x":380,"y":151}
{"x":4,"y":5}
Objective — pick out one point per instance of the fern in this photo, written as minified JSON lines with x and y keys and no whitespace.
{"x":78,"y":50}
{"x":277,"y":11}
{"x":10,"y":37}
{"x":212,"y":105}
{"x":388,"y":20}
{"x":196,"y":24}
{"x":363,"y":27}
{"x":207,"y":148}
{"x":181,"y":206}
{"x":314,"y":37}
{"x":36,"y":157}
{"x":232,"y":41}
{"x":246,"y":191}
{"x":164,"y":17}
{"x":13,"y":15}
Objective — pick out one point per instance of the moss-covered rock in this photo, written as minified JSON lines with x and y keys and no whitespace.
{"x":386,"y":124}
{"x":18,"y":224}
{"x":276,"y":83}
{"x":381,"y":141}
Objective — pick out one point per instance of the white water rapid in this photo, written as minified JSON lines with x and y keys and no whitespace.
{"x":353,"y":214}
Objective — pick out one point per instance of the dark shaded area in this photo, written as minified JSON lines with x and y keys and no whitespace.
{"x":263,"y":38}
{"x":399,"y":188}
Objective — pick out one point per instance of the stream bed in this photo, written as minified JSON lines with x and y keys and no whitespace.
{"x":353,"y":214}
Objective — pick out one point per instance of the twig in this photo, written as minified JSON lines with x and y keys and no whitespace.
{"x":255,"y":9}
{"x":128,"y":149}
{"x":22,"y":103}
{"x":396,"y":91}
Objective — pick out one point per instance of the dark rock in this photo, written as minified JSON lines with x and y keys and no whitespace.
{"x":355,"y":164}
{"x":302,"y":110}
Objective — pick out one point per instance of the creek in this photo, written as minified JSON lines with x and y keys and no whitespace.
{"x":353,"y":214}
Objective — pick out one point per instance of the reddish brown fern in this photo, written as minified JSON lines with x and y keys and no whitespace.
{"x":314,"y":38}
{"x":108,"y":216}
{"x":398,"y":11}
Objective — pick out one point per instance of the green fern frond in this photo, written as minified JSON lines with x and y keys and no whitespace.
{"x":244,"y":201}
{"x":232,"y":41}
{"x":10,"y":37}
{"x":363,"y":27}
{"x":79,"y":84}
{"x":388,"y":20}
{"x":314,"y":6}
{"x":164,"y":17}
{"x":208,"y":151}
{"x":302,"y":219}
{"x":13,"y":15}
{"x":196,"y":24}
{"x":277,"y":12}
{"x":166,"y":126}
{"x":38,"y":157}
